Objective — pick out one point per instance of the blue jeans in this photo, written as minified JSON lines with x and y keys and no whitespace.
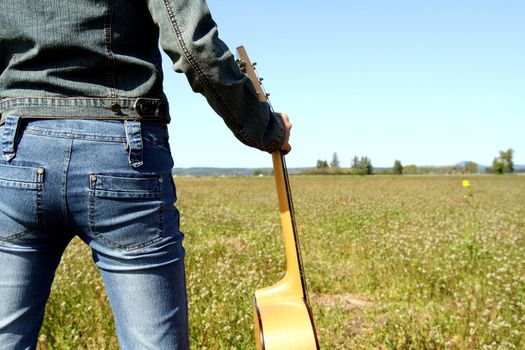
{"x":109,"y":183}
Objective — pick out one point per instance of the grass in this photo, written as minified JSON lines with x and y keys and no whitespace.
{"x":392,"y":263}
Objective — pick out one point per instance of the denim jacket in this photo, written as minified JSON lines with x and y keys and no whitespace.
{"x":101,"y":59}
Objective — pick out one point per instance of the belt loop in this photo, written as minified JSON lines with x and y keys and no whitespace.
{"x":134,"y":142}
{"x":12,"y":123}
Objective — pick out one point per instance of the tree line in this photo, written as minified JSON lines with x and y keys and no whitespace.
{"x":502,"y":164}
{"x":359,"y":166}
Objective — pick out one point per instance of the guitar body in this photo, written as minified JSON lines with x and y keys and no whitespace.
{"x":282,"y":316}
{"x":283,"y":324}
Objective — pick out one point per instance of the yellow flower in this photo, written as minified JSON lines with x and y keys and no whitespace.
{"x":466,"y":183}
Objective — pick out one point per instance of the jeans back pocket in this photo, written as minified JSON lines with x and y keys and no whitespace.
{"x":20,"y":200}
{"x":126,"y":212}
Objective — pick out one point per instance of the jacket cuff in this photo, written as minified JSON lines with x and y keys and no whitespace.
{"x":279,"y":133}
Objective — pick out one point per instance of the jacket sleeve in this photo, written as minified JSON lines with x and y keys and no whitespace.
{"x":189,"y":36}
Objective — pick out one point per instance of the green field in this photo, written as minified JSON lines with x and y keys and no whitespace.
{"x":392,"y":263}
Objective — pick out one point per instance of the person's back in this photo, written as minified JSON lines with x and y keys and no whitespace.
{"x":108,"y":51}
{"x":79,"y":48}
{"x":85,"y":153}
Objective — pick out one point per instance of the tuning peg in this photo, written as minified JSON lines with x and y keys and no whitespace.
{"x":261,"y":79}
{"x":267,"y":95}
{"x":242,"y":65}
{"x":254,"y":64}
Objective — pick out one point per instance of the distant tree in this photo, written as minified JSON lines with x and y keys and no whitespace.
{"x":367,"y":165}
{"x":497,"y":166}
{"x":335,"y":161}
{"x":355,"y":163}
{"x":508,"y":164}
{"x":362,"y":166}
{"x":322,"y":164}
{"x":411,"y":169}
{"x":398,"y":168}
{"x":470,"y":167}
{"x":503,"y":164}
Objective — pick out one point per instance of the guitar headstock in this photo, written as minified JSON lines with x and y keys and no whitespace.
{"x":248,"y":68}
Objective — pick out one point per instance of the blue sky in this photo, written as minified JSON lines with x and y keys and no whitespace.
{"x":426,"y":82}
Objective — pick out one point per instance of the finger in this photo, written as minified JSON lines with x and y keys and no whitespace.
{"x":285,"y":149}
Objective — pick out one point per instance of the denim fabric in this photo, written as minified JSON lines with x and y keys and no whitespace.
{"x":62,"y":178}
{"x":90,"y":58}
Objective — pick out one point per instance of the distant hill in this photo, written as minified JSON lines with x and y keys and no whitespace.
{"x":482,"y":168}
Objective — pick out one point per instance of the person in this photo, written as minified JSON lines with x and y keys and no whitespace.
{"x":85,"y":152}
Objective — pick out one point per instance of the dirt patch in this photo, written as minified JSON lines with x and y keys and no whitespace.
{"x":236,"y":243}
{"x":352,"y":303}
{"x":348,"y":302}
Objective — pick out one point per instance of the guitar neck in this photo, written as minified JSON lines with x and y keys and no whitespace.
{"x":282,"y":314}
{"x":294,"y":264}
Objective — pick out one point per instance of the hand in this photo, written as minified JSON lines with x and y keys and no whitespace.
{"x":285,"y":147}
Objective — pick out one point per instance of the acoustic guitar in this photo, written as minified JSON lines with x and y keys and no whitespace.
{"x":282,"y":314}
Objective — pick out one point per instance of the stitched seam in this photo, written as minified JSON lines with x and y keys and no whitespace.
{"x":38,"y":214}
{"x":15,"y":236}
{"x":92,"y":221}
{"x":146,"y":118}
{"x":161,"y":220}
{"x":92,"y":215}
{"x":39,"y":196}
{"x":130,"y":100}
{"x":65,"y":172}
{"x":201,"y":74}
{"x":68,"y":135}
{"x":111,"y":57}
{"x":130,"y":247}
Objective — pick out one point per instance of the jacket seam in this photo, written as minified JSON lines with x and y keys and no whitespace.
{"x":111,"y":57}
{"x":202,"y":75}
{"x":80,"y":98}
